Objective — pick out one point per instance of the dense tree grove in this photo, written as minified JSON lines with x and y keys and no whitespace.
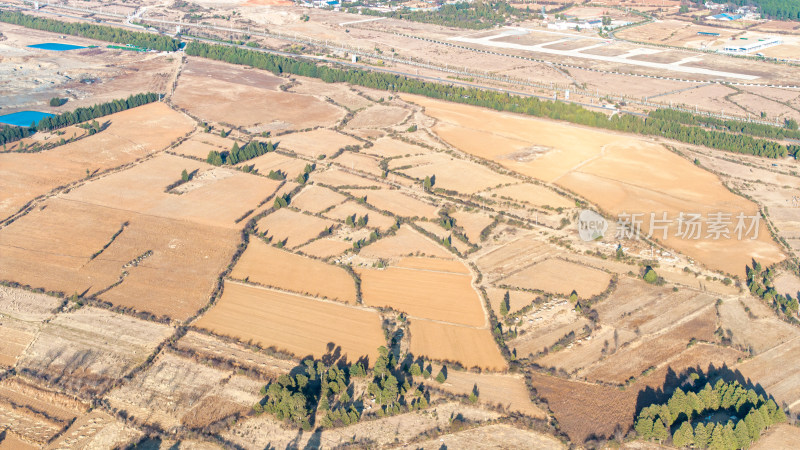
{"x":569,"y":112}
{"x":93,"y":112}
{"x":773,"y":9}
{"x":99,"y":32}
{"x":735,"y":417}
{"x":735,"y":126}
{"x":327,"y":392}
{"x":474,"y":16}
{"x":11,"y":133}
{"x":237,"y":155}
{"x":760,"y":283}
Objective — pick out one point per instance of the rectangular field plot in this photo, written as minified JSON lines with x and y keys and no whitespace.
{"x":509,"y":391}
{"x":424,"y":291}
{"x":325,"y":247}
{"x":388,"y":148}
{"x":315,"y":143}
{"x":267,"y":265}
{"x":299,"y":325}
{"x":530,"y":194}
{"x":405,"y":242}
{"x":200,"y":144}
{"x":291,"y":167}
{"x":337,"y":177}
{"x":315,"y":199}
{"x":560,"y":277}
{"x":86,"y":351}
{"x":470,"y":347}
{"x":453,"y":174}
{"x":374,"y":218}
{"x":96,"y":430}
{"x":294,"y":227}
{"x":362,"y":163}
{"x":778,"y":372}
{"x":397,"y":202}
{"x":215,"y":196}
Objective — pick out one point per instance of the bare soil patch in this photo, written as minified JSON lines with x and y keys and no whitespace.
{"x":340,"y":178}
{"x":531,"y":194}
{"x":405,"y":242}
{"x":291,"y":167}
{"x":451,"y":173}
{"x":493,"y":436}
{"x":315,"y":143}
{"x":389,"y":147}
{"x":508,"y":391}
{"x":315,"y":199}
{"x":374,"y":219}
{"x":379,"y":116}
{"x":397,"y":202}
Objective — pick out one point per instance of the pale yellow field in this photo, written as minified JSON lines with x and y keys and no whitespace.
{"x":200,"y":143}
{"x":404,"y":243}
{"x":297,"y":228}
{"x":267,"y":265}
{"x":424,"y":291}
{"x":374,"y":218}
{"x":473,"y":222}
{"x":316,"y":198}
{"x":293,"y":323}
{"x":469,"y":346}
{"x":531,"y":193}
{"x":509,"y":391}
{"x":614,"y":171}
{"x":291,"y":167}
{"x":560,"y":277}
{"x":517,"y":299}
{"x":337,"y":177}
{"x":325,"y":247}
{"x":314,"y":143}
{"x":397,"y":202}
{"x":131,"y":134}
{"x":388,"y":147}
{"x":453,"y":174}
{"x":357,"y":161}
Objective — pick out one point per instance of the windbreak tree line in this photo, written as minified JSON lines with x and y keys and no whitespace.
{"x":720,"y":416}
{"x":789,"y":130}
{"x":774,"y":9}
{"x":237,"y":154}
{"x":654,"y":126}
{"x":11,"y":133}
{"x":475,"y":16}
{"x":93,"y":112}
{"x":92,"y":31}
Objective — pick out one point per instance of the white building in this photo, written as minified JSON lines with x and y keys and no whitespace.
{"x":743,"y":48}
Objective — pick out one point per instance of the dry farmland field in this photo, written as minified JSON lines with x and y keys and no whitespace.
{"x":154,"y":294}
{"x":287,"y":322}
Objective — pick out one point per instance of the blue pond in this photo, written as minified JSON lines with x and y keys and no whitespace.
{"x":55,"y":46}
{"x":23,"y":118}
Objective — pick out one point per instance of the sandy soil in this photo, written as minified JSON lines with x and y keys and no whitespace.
{"x":264,"y":264}
{"x":285,"y":321}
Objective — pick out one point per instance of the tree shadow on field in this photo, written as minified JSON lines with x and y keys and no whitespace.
{"x":694,"y":378}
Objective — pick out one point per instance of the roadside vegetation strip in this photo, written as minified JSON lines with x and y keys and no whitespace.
{"x":532,"y":106}
{"x":92,"y":31}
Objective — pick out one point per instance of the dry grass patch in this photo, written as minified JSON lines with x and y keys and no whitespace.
{"x":362,"y":163}
{"x":389,"y":148}
{"x":293,"y":323}
{"x":200,"y":144}
{"x":238,"y":101}
{"x":291,"y":167}
{"x":498,"y":262}
{"x":294,"y":227}
{"x":326,"y":247}
{"x":424,"y":291}
{"x":211,"y":347}
{"x":507,"y":391}
{"x":217,"y":196}
{"x":472,"y":222}
{"x":22,"y":314}
{"x":532,"y":194}
{"x":97,"y":430}
{"x":517,"y":299}
{"x":611,"y":170}
{"x":397,"y":202}
{"x":315,"y":199}
{"x":167,"y":391}
{"x":85,"y":351}
{"x":379,"y":116}
{"x":340,"y":93}
{"x":451,"y":173}
{"x":778,"y":371}
{"x":778,"y":436}
{"x":374,"y":218}
{"x":405,"y":242}
{"x":131,"y":134}
{"x":755,"y":328}
{"x":315,"y":143}
{"x":471,"y":347}
{"x":267,"y":265}
{"x":493,"y":436}
{"x":560,"y":277}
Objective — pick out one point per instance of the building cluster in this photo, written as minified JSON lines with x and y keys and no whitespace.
{"x":728,"y":14}
{"x":744,"y":46}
